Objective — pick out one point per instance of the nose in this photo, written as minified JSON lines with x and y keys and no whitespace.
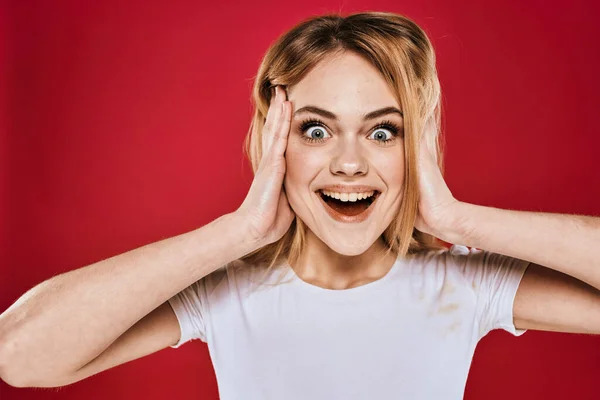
{"x":349,"y":160}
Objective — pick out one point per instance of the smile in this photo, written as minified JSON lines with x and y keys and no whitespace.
{"x":348,"y":207}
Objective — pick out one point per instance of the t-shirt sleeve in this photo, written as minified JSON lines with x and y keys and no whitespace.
{"x":189,"y":306}
{"x":495,"y":279}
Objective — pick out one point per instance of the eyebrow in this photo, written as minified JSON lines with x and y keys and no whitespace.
{"x":366,"y":117}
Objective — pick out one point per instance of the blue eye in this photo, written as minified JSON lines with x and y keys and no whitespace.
{"x":318,"y":134}
{"x":382,"y":135}
{"x":313,"y":131}
{"x":392,"y":129}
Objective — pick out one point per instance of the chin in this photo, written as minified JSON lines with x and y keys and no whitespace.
{"x":348,"y":247}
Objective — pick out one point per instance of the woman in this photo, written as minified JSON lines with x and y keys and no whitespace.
{"x":347,"y":204}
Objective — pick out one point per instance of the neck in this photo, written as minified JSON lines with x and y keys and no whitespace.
{"x":321,"y":266}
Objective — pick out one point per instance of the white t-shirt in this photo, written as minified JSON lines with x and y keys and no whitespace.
{"x":408,"y":335}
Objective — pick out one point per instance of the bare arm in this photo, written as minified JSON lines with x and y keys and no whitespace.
{"x":150,"y":334}
{"x":63,"y":323}
{"x":90,"y":319}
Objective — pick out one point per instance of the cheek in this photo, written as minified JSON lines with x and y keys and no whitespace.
{"x":392,"y":169}
{"x":301,"y":165}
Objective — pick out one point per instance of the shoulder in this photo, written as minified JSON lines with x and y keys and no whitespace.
{"x":457,"y":257}
{"x":242,"y":277}
{"x":459,"y":267}
{"x":439,"y":262}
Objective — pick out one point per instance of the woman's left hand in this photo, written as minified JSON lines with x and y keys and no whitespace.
{"x":437,"y":209}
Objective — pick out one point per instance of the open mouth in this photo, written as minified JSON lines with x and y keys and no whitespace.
{"x":351,"y":206}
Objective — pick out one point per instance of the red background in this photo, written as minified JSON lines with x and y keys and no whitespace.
{"x":125,"y":124}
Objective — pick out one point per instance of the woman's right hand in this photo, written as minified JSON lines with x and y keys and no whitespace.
{"x":265,"y":212}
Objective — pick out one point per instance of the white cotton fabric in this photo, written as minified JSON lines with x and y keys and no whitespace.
{"x":408,"y":335}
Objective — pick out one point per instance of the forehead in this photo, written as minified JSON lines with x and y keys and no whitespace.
{"x":345,"y":84}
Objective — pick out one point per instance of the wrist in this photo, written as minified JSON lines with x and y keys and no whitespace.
{"x":459,"y":226}
{"x":238,"y":226}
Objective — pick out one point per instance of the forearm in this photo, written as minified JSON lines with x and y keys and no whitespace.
{"x":68,"y":320}
{"x":566,"y":243}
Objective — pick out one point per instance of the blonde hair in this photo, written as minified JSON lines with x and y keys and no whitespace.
{"x":403,"y":54}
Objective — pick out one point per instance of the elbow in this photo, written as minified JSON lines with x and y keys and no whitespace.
{"x":17,"y":374}
{"x":7,"y":370}
{"x":17,"y":367}
{"x":15,"y":378}
{"x":13,"y":372}
{"x":12,"y":380}
{"x":20,"y":377}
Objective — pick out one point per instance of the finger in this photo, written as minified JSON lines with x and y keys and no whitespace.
{"x":281,"y":136}
{"x":285,"y":214}
{"x":272,"y":120}
{"x":278,"y":115}
{"x":272,"y":106}
{"x":429,"y":135}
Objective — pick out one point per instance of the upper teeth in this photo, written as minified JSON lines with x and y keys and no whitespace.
{"x":348,"y":196}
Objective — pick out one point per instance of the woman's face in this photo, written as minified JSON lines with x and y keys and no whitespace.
{"x":343,"y":152}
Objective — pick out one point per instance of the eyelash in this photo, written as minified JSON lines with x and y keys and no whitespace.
{"x":309,"y":123}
